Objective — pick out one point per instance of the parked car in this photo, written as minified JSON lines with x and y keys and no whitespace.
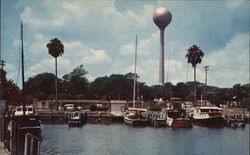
{"x":98,"y":107}
{"x":69,"y":107}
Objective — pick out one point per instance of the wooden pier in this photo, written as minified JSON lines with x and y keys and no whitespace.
{"x":235,"y":120}
{"x":156,"y":118}
{"x":61,"y":117}
{"x":13,"y":133}
{"x":3,"y":151}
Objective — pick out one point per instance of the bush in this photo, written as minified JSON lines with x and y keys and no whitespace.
{"x":157,"y":107}
{"x":247,"y":103}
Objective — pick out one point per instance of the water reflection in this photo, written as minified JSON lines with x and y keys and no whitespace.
{"x":122,"y":139}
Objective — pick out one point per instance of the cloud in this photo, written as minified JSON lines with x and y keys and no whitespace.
{"x":96,"y":56}
{"x":12,"y":71}
{"x":144,"y":46}
{"x":16,"y":42}
{"x":101,"y":36}
{"x":76,"y":51}
{"x":230,"y":64}
{"x":234,"y":4}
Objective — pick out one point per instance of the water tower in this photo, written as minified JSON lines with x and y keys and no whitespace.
{"x":162,"y":17}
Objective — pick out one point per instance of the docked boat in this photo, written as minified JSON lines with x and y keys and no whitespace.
{"x":25,"y":115}
{"x":188,"y":107}
{"x":77,"y":118}
{"x":29,"y":120}
{"x":176,"y":119}
{"x":23,"y":122}
{"x":208,"y":116}
{"x":135,"y":117}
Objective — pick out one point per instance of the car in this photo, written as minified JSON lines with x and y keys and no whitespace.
{"x":69,"y":107}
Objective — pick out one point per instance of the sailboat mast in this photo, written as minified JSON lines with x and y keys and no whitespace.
{"x":135,"y":72}
{"x":22,"y":61}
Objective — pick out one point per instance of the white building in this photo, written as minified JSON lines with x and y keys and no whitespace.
{"x":118,"y":107}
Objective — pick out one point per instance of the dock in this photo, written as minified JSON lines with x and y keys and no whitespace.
{"x":235,"y":120}
{"x":61,"y":117}
{"x":3,"y":151}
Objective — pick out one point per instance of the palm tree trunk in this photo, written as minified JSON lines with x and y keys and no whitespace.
{"x":195,"y":83}
{"x":56,"y":82}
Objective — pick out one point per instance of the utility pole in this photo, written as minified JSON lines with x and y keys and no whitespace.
{"x":206,"y":69}
{"x":2,"y":76}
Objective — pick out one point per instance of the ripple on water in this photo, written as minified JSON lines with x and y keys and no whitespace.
{"x":119,"y":139}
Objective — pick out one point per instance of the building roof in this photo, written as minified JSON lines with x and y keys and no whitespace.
{"x":77,"y":101}
{"x":137,"y":109}
{"x":118,"y":102}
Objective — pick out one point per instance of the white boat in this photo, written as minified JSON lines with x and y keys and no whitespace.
{"x":77,"y":118}
{"x":29,"y":121}
{"x":188,"y":106}
{"x":134,"y":117}
{"x":208,"y":116}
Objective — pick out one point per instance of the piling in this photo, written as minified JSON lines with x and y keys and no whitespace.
{"x":235,"y":120}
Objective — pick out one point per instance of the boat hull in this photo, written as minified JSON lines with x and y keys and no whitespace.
{"x":214,"y":121}
{"x":179,"y":123}
{"x":162,"y":122}
{"x":136,"y":122}
{"x":75,"y":123}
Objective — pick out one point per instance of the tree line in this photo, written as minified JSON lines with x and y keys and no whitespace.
{"x":75,"y":85}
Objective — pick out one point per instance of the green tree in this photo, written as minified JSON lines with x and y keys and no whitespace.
{"x":158,"y":91}
{"x":40,"y":86}
{"x":169,"y":90}
{"x":239,"y":92}
{"x":75,"y":84}
{"x":194,"y":56}
{"x":10,"y":92}
{"x":56,"y":49}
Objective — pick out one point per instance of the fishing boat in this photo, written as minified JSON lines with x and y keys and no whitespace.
{"x":24,"y":115}
{"x":24,"y":121}
{"x":29,"y":120}
{"x":134,"y":116}
{"x":208,"y":116}
{"x":77,"y":118}
{"x":176,"y":117}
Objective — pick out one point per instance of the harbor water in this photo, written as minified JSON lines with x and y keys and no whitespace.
{"x":120,"y":139}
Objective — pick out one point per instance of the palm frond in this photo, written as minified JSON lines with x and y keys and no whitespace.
{"x":55,"y":48}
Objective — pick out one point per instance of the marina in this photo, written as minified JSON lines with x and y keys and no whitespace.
{"x":84,"y":88}
{"x":64,"y":122}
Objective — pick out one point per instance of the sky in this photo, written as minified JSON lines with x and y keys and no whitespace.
{"x":101,"y":36}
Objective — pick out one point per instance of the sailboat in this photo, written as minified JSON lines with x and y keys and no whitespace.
{"x":134,"y":115}
{"x":28,"y":122}
{"x":24,"y":121}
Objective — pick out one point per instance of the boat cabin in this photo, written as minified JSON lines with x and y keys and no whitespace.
{"x":29,"y":110}
{"x":208,"y":109}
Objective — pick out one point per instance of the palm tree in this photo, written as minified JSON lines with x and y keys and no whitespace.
{"x":194,"y":56}
{"x":56,"y":49}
